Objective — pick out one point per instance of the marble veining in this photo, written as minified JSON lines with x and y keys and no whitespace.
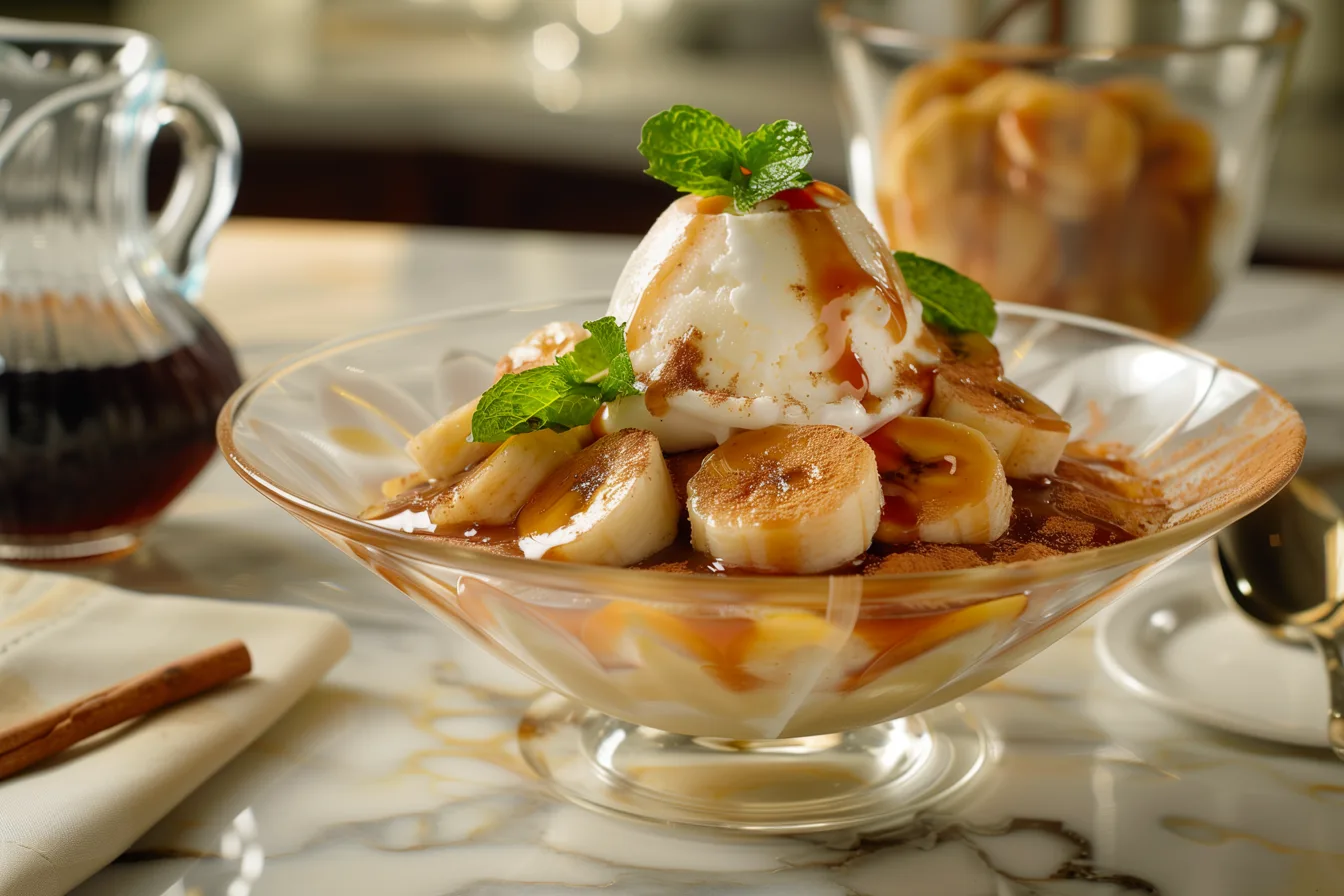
{"x":400,"y":774}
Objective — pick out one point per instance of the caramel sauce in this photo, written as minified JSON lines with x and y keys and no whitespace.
{"x":834,"y":273}
{"x":648,"y":311}
{"x":682,"y":466}
{"x":848,"y":369}
{"x":409,"y":511}
{"x":713,"y":205}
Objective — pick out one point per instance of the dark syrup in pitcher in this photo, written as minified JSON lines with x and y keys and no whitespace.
{"x":88,"y":449}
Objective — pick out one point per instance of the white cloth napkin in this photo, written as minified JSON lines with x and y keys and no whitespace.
{"x":62,"y":637}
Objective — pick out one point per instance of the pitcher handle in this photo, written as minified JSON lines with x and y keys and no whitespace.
{"x":207,"y":179}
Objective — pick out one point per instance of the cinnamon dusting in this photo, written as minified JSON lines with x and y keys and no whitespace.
{"x":679,"y":373}
{"x":770,"y":475}
{"x":923,"y":558}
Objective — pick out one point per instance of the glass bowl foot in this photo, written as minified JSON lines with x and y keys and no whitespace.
{"x":881,"y":776}
{"x":102,"y":545}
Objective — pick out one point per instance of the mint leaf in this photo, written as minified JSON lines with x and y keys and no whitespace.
{"x":540,"y":398}
{"x":698,"y":152}
{"x":609,"y":337}
{"x":562,"y":395}
{"x":693,"y":150}
{"x":776,"y":155}
{"x":952,"y":301}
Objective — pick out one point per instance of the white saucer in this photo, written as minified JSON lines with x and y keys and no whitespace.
{"x":1175,"y":644}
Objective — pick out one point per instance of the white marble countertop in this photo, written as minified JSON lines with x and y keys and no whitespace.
{"x":400,"y":776}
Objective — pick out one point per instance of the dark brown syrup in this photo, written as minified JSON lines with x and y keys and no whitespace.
{"x":94,"y":448}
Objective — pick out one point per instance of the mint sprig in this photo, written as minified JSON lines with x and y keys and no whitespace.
{"x":562,"y":395}
{"x":698,"y":152}
{"x":952,"y":301}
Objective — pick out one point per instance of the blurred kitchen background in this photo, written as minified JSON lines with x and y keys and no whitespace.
{"x":525,"y":113}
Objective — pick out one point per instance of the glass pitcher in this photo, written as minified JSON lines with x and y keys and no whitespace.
{"x":110,"y":380}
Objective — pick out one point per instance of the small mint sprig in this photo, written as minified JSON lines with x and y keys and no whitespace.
{"x":698,"y":152}
{"x":952,"y":301}
{"x":562,"y":395}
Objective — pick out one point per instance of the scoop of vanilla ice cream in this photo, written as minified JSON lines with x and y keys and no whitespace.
{"x":792,"y":313}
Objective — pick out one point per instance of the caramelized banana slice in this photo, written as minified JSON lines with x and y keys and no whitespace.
{"x":1068,"y":150}
{"x":1027,"y":434}
{"x":942,"y":481}
{"x":612,"y":503}
{"x":794,"y":499}
{"x":445,"y":448}
{"x":398,"y":484}
{"x":1179,"y":156}
{"x":929,"y":80}
{"x":492,"y":492}
{"x":1004,"y":242}
{"x":1146,"y":99}
{"x":994,"y":95}
{"x":944,"y":149}
{"x":541,"y":347}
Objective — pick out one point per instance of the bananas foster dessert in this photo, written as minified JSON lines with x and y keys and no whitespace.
{"x":772,"y":391}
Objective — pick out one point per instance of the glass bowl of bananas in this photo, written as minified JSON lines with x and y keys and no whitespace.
{"x":1111,"y":164}
{"x":769,"y":628}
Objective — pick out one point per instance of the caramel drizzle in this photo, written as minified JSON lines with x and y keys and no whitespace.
{"x":648,"y":310}
{"x":834,"y":273}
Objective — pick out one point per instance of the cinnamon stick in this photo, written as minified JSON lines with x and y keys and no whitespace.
{"x":57,"y":729}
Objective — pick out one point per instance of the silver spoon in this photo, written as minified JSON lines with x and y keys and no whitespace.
{"x":1283,"y":565}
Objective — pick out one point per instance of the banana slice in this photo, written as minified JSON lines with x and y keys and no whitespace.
{"x":943,"y":483}
{"x":395,"y":486}
{"x":794,"y":499}
{"x":445,"y":448}
{"x":972,"y":350}
{"x":541,"y":347}
{"x":1028,"y":435}
{"x":611,"y":504}
{"x":493,"y":492}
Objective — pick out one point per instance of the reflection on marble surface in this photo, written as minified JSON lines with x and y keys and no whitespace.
{"x":400,"y":774}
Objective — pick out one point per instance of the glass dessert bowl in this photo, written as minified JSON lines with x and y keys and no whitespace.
{"x":759,"y":702}
{"x":760,"y":523}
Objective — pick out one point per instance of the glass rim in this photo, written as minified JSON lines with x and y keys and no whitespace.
{"x":836,"y":18}
{"x":136,"y":51}
{"x":662,"y":587}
